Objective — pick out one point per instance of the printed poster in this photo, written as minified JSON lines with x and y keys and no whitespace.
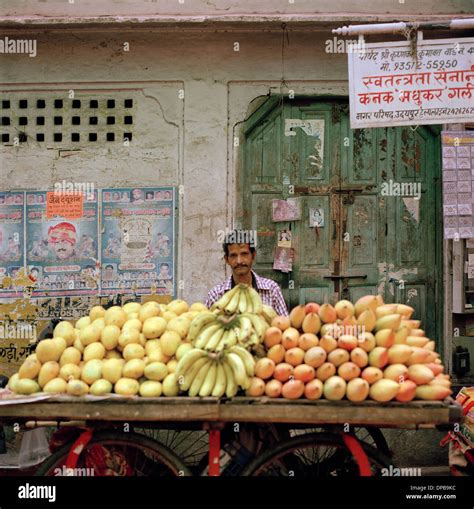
{"x":286,"y":210}
{"x":458,"y":184}
{"x":11,"y":241}
{"x":62,"y":253}
{"x":138,"y":240}
{"x":283,"y":260}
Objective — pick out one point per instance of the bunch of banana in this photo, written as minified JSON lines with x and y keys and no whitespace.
{"x":200,"y":323}
{"x":241,"y":299}
{"x":203,"y":374}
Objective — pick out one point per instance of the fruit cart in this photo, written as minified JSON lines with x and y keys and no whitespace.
{"x":322,"y":436}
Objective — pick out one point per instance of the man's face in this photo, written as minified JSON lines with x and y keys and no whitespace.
{"x":240,"y":259}
{"x":63,"y":249}
{"x":164,"y":270}
{"x":109,"y":272}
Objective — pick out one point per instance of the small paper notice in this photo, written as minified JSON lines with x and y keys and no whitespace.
{"x":316,"y":218}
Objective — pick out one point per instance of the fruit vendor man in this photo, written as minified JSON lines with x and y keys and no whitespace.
{"x":239,"y":254}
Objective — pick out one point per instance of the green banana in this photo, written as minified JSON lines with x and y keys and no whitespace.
{"x":209,"y":381}
{"x":231,"y":388}
{"x":247,"y":359}
{"x":190,"y":375}
{"x":221,"y":382}
{"x":199,"y":379}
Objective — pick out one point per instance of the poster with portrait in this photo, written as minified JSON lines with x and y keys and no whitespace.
{"x":11,"y":241}
{"x":286,"y":210}
{"x":62,"y":253}
{"x":138,"y":240}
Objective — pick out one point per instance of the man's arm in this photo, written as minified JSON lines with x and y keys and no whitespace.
{"x":213,"y":296}
{"x":278,"y":302}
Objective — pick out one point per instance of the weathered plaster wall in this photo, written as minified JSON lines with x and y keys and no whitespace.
{"x":228,"y":7}
{"x":177,"y":141}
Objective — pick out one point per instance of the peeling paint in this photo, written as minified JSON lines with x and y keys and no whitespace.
{"x":387,"y":272}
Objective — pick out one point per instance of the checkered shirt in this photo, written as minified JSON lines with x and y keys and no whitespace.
{"x":268,"y":290}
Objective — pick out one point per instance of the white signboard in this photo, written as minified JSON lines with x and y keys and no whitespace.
{"x":390,"y":85}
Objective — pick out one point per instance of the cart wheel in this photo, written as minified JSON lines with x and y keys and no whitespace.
{"x":314,"y":456}
{"x":370,"y":435}
{"x":117,"y":454}
{"x":191,"y":446}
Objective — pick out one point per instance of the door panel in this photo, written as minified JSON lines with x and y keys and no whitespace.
{"x":390,"y":240}
{"x":262,"y":222}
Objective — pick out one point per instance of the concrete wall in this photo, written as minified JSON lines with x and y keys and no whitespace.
{"x":176,"y":141}
{"x":359,"y":8}
{"x":191,"y":89}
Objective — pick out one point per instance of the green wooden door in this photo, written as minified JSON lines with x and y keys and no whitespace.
{"x":373,"y":240}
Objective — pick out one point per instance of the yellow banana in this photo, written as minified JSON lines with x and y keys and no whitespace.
{"x":231,"y":388}
{"x":268,"y":313}
{"x":198,"y":323}
{"x":221,"y":382}
{"x":259,"y":325}
{"x":238,"y":369}
{"x":187,"y":379}
{"x":230,"y":340}
{"x":222,"y":342}
{"x":226,"y":298}
{"x":247,"y":359}
{"x":249,"y":301}
{"x":199,"y":379}
{"x":188,"y":359}
{"x":245,"y":328}
{"x":206,"y":334}
{"x":243,"y":301}
{"x":209,"y":381}
{"x":233,"y":305}
{"x":256,"y":301}
{"x":214,"y":340}
{"x":253,"y":340}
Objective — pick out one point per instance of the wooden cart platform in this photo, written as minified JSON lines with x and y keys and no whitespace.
{"x":416,"y":414}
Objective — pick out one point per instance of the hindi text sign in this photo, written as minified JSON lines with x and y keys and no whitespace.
{"x":390,"y":85}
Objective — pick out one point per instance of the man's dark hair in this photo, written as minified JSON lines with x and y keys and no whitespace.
{"x":109,"y":267}
{"x":239,"y":237}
